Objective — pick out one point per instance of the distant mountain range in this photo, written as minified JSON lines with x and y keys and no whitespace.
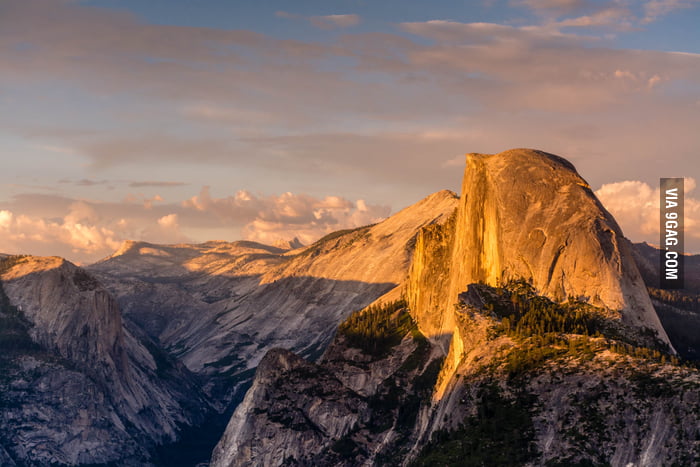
{"x":512,"y":325}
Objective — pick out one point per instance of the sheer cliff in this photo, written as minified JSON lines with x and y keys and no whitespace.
{"x":523,"y":335}
{"x":528,"y":214}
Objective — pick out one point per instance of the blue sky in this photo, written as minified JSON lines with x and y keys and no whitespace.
{"x":174,"y":120}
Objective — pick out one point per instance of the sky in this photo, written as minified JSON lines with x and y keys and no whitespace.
{"x":177,"y":121}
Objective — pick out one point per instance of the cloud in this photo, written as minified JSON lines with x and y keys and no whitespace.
{"x":328,"y":215}
{"x":283,"y":217}
{"x":635,"y":206}
{"x":615,"y":17}
{"x":85,"y":231}
{"x":616,"y":14}
{"x":335,"y":21}
{"x":347,"y":112}
{"x":6,"y":218}
{"x":452,"y":32}
{"x":148,"y":202}
{"x":326,"y":22}
{"x":561,"y":7}
{"x":657,"y":8}
{"x":540,"y":69}
{"x":81,"y":230}
{"x":168,"y":222}
{"x":287,"y":15}
{"x":134,"y":149}
{"x":78,"y":234}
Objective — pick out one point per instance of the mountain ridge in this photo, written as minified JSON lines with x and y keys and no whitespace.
{"x":520,"y":299}
{"x":525,"y":292}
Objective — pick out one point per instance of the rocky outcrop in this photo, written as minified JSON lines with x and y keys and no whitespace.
{"x":295,"y":408}
{"x":544,"y":346}
{"x":78,"y":386}
{"x":510,"y":395}
{"x":528,"y":214}
{"x":361,"y":406}
{"x":71,"y":314}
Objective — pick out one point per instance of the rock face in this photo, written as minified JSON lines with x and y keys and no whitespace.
{"x":323,"y":410}
{"x":679,"y":310}
{"x":503,"y":398}
{"x":79,"y":387}
{"x":528,"y":214}
{"x":509,"y":327}
{"x":219,"y":307}
{"x":358,"y":407}
{"x":544,"y":348}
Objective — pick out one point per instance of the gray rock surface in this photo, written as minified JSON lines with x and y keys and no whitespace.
{"x":81,"y":388}
{"x":301,"y":413}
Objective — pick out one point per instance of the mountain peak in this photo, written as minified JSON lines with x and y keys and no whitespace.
{"x":26,"y":265}
{"x":527,"y":214}
{"x":526,"y":155}
{"x":292,"y":244}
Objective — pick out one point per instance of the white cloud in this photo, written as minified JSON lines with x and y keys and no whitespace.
{"x":86,"y":231}
{"x":635,"y":206}
{"x":384,"y":112}
{"x":613,"y":17}
{"x":283,"y":217}
{"x":327,"y":218}
{"x":75,"y":235}
{"x":148,"y":203}
{"x":169,"y":222}
{"x":617,"y":14}
{"x":6,"y":218}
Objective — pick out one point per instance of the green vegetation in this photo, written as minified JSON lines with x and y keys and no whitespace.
{"x":165,"y":365}
{"x":9,"y":262}
{"x":647,"y":386}
{"x":500,"y":433}
{"x":544,"y":329}
{"x":84,"y":281}
{"x":397,"y":402}
{"x":500,"y":430}
{"x":523,"y":313}
{"x":378,"y":328}
{"x":679,"y":298}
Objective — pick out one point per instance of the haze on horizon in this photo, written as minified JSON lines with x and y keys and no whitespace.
{"x":174,"y":121}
